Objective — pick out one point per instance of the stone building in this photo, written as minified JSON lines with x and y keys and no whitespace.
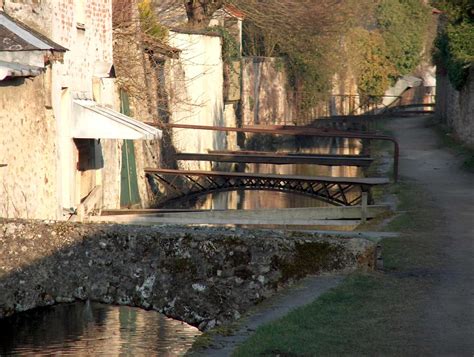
{"x":61,"y":128}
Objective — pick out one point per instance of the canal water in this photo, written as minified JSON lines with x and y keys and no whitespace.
{"x":271,"y":199}
{"x":91,"y":329}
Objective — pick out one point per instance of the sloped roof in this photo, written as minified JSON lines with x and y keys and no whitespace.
{"x":16,"y":36}
{"x":94,"y":121}
{"x":234,"y":11}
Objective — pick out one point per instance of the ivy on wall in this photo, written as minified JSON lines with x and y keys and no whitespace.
{"x":403,"y":25}
{"x":378,"y":40}
{"x":369,"y":58}
{"x":230,"y":46}
{"x":455,"y":42}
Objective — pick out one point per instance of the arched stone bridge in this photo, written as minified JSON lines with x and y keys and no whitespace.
{"x":186,"y":185}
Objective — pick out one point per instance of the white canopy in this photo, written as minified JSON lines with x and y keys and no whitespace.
{"x":94,"y":121}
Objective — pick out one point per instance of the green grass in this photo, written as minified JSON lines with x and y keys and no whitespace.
{"x":372,"y":313}
{"x":357,"y":318}
{"x":369,"y":313}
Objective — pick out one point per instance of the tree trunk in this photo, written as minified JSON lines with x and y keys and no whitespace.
{"x":200,"y":11}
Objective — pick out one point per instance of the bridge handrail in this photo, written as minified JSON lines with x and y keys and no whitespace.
{"x":284,"y":154}
{"x":302,"y":131}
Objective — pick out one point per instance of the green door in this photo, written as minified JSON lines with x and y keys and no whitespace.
{"x":129,"y":195}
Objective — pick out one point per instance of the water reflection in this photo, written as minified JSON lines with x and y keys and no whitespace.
{"x":271,"y":199}
{"x":91,"y":329}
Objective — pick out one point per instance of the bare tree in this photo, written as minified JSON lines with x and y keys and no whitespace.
{"x":200,"y":11}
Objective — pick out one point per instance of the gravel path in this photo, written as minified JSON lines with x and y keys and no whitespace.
{"x":447,"y":324}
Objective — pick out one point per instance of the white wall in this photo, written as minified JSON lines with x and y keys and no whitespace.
{"x":196,"y":93}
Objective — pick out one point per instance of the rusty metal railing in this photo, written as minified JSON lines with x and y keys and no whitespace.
{"x":302,"y":131}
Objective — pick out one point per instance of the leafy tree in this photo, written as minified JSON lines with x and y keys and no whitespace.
{"x":403,"y":25}
{"x":455,"y":42}
{"x":373,"y":69}
{"x":149,"y":23}
{"x":381,"y":39}
{"x":306,"y":33}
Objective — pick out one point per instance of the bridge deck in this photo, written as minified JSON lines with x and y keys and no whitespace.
{"x":277,"y":159}
{"x":369,"y":181}
{"x":174,"y":186}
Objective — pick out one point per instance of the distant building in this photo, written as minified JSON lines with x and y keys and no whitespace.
{"x":61,"y":132}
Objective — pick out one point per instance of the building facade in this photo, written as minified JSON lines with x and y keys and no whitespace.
{"x":60,"y":125}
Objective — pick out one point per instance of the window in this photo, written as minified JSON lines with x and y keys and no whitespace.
{"x":89,"y":154}
{"x":80,"y":14}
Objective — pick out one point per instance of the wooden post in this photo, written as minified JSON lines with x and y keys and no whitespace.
{"x":363,"y":214}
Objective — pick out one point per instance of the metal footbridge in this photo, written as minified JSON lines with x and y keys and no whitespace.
{"x":175,"y":186}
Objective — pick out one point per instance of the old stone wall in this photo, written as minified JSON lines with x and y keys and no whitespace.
{"x":36,"y":14}
{"x":456,"y":108}
{"x":28,"y":184}
{"x":265,"y":95}
{"x":85,"y":29}
{"x":202,"y":276}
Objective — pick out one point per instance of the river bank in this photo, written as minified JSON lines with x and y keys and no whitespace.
{"x":421,"y":302}
{"x":203,"y":276}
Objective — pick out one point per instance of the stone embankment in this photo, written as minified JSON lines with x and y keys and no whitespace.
{"x":203,"y":276}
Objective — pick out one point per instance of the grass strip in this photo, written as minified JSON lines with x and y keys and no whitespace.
{"x":369,"y":313}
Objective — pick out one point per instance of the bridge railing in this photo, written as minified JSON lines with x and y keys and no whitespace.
{"x":353,"y":104}
{"x":337,"y":105}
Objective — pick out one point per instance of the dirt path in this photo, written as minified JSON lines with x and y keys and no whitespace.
{"x":447,"y":324}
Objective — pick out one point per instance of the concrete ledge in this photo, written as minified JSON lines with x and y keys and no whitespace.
{"x":310,"y":216}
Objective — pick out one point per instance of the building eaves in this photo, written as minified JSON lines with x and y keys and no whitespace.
{"x":9,"y":69}
{"x":204,"y":32}
{"x":234,"y":11}
{"x":161,"y":48}
{"x":16,"y":36}
{"x":90,"y":120}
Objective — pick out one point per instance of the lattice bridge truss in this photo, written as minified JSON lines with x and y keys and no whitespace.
{"x":177,"y":186}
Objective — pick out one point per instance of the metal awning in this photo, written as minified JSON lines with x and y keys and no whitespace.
{"x":10,"y":69}
{"x":94,"y":121}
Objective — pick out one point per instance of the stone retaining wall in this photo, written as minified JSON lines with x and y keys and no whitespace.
{"x":456,"y":108}
{"x":203,"y":276}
